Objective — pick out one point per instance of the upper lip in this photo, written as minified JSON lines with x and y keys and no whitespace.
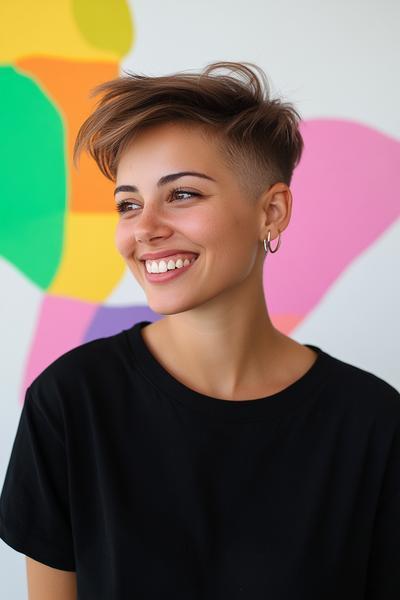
{"x":162,"y":253}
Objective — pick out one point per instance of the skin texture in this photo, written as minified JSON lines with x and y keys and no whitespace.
{"x":218,"y":308}
{"x":46,"y":583}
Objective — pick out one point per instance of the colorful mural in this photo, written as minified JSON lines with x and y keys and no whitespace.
{"x":57,"y":223}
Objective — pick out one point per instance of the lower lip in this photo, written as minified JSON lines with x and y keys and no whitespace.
{"x":168,"y":275}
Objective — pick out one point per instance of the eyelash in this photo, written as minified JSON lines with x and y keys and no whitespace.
{"x":120,"y":205}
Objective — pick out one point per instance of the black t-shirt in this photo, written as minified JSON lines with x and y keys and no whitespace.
{"x":151,"y":490}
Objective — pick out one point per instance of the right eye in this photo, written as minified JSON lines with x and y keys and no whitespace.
{"x":121,"y":206}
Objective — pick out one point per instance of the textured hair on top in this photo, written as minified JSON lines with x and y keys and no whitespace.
{"x":258,"y":136}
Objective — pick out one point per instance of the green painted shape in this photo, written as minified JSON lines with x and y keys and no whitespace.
{"x":33,"y":178}
{"x":105,"y":24}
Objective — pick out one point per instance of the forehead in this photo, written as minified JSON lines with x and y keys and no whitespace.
{"x":169,"y":142}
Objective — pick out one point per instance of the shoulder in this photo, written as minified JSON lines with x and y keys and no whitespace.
{"x":77,"y":370}
{"x":358,"y":388}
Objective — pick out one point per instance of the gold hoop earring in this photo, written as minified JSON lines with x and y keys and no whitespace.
{"x":267,"y":243}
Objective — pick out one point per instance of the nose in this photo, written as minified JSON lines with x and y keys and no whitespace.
{"x":149,"y":224}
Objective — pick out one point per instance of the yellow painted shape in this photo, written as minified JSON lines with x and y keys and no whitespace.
{"x":45,"y":27}
{"x":91,"y":266}
{"x":105,"y":24}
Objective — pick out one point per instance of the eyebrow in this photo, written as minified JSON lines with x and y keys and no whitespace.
{"x":163,"y":181}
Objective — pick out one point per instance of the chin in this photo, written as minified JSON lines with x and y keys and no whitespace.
{"x":170,"y":307}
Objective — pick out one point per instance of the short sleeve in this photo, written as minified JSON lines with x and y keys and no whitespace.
{"x":383,"y":581}
{"x":34,"y":506}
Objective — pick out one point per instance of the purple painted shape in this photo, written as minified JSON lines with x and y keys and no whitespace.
{"x":109,"y":320}
{"x":344,"y":198}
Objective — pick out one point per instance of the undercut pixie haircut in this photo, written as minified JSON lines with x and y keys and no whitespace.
{"x":258,"y":136}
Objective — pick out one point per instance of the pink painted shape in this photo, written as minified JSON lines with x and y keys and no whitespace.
{"x":344,"y":198}
{"x":61,"y":326}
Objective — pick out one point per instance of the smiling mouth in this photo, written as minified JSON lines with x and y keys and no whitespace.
{"x":176,"y":268}
{"x":169,"y":273}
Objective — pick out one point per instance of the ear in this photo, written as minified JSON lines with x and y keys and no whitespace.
{"x":276,"y":211}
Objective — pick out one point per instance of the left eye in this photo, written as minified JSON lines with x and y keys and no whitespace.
{"x":177,"y":191}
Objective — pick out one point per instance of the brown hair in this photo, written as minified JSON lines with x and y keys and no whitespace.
{"x":258,"y":136}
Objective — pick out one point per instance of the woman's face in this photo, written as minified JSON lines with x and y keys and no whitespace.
{"x":207,"y":216}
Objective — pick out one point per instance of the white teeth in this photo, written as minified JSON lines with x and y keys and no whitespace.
{"x":162,"y":266}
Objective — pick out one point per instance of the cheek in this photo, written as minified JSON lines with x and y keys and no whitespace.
{"x":227,"y":242}
{"x":232,"y":237}
{"x":123,"y":240}
{"x":225,"y":232}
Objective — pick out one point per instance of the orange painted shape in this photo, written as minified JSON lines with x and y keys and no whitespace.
{"x":286,"y":323}
{"x":68,"y":84}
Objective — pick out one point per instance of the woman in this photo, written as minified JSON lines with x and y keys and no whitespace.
{"x":205,"y":455}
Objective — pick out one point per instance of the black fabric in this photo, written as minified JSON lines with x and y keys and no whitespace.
{"x":148,"y":489}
